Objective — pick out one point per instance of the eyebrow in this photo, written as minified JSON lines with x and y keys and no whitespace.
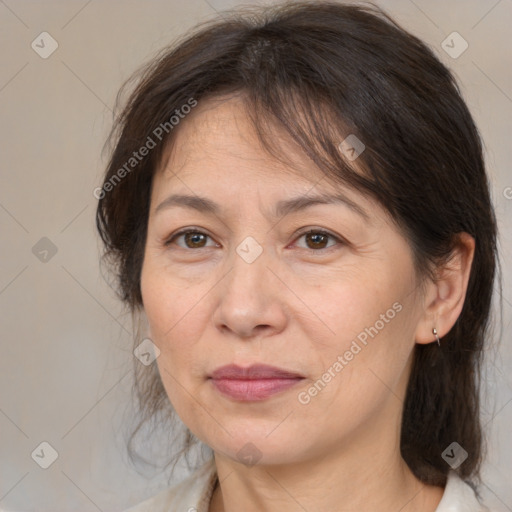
{"x":282,"y":208}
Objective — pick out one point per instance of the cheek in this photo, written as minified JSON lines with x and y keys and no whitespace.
{"x":348,"y":303}
{"x":168,"y":303}
{"x":367,"y":321}
{"x":178,"y":313}
{"x":172,"y":314}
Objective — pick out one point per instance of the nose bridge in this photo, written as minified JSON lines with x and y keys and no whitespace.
{"x":248,"y":273}
{"x":249,"y":300}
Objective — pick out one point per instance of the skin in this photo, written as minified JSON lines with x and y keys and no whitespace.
{"x":298,"y":306}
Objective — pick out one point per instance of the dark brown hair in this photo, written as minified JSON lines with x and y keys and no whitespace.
{"x":321,"y":71}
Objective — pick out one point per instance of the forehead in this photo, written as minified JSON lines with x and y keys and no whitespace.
{"x":217,"y":152}
{"x":219,"y":136}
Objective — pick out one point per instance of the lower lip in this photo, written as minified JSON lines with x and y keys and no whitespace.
{"x":253,"y":390}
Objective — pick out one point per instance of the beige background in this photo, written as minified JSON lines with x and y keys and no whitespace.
{"x":65,"y":364}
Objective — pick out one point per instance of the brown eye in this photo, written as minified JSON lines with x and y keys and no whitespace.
{"x":192,"y":239}
{"x":317,"y":240}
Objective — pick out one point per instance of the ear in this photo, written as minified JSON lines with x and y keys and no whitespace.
{"x":445,"y":295}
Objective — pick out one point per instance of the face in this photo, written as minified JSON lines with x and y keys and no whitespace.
{"x":324,"y":290}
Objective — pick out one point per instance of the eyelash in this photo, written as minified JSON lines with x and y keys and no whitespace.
{"x":337,"y":239}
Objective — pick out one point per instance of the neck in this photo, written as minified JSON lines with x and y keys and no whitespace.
{"x":369,"y":479}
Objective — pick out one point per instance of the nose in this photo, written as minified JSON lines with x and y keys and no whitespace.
{"x":250,"y":300}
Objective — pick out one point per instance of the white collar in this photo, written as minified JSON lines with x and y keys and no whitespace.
{"x":458,"y":496}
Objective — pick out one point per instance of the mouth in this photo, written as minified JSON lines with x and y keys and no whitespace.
{"x":254,"y":383}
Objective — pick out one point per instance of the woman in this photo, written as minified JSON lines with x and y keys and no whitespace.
{"x":297,"y":203}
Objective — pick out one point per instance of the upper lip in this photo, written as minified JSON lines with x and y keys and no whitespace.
{"x":253,"y":372}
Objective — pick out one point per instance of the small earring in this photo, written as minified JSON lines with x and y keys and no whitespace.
{"x":434,"y":332}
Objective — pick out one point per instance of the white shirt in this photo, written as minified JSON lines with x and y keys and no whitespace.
{"x":195,"y":492}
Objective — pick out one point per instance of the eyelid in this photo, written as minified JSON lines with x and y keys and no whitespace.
{"x":314,"y":229}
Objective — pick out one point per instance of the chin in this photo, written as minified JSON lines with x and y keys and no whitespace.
{"x":252,"y":447}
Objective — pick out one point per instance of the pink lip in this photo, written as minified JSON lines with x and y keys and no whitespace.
{"x":254,"y":383}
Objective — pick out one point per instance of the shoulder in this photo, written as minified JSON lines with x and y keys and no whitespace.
{"x":193,"y":494}
{"x":459,"y":497}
